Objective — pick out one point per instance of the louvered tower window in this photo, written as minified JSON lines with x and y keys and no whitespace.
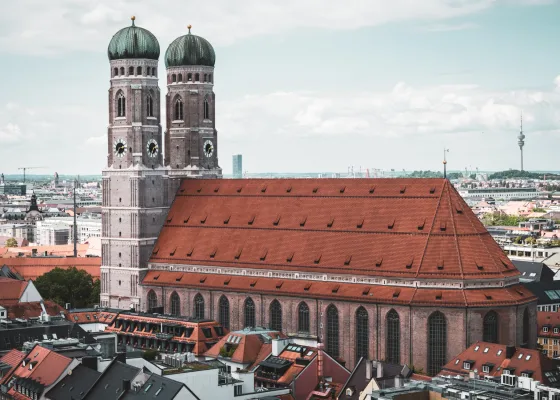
{"x":332,"y":331}
{"x":393,"y":327}
{"x":490,"y":327}
{"x":206,"y":109}
{"x":150,"y":105}
{"x":249,"y":309}
{"x":175,"y":304}
{"x":275,"y":316}
{"x":437,"y":342}
{"x":224,"y":312}
{"x":152,"y":300}
{"x":199,"y":306}
{"x":362,"y":333}
{"x":121,"y":105}
{"x":303,"y":318}
{"x":178,"y":110}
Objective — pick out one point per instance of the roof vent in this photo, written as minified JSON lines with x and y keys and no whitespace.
{"x":288,"y":189}
{"x":315,"y":190}
{"x":238,"y":253}
{"x":459,"y":209}
{"x":179,"y":278}
{"x":504,"y":262}
{"x":438,"y":296}
{"x":335,"y":289}
{"x":181,"y":190}
{"x":519,"y":292}
{"x":348,"y":260}
{"x":252,"y":219}
{"x":213,"y":253}
{"x":488,"y":297}
{"x":317,"y":259}
{"x":239,"y":189}
{"x":330,"y":223}
{"x":169,"y":219}
{"x":342,"y":189}
{"x":156,"y":277}
{"x":189,"y":253}
{"x":203,"y":219}
{"x":421,"y":224}
{"x":391,"y":224}
{"x":186,"y":219}
{"x":403,"y":189}
{"x":396,"y":293}
{"x":307,"y":287}
{"x":378,"y":262}
{"x":227,"y":281}
{"x":290,"y":257}
{"x":226,"y":221}
{"x":277,"y":220}
{"x":410,"y":263}
{"x":263,"y":189}
{"x":279,"y":284}
{"x":253,"y":283}
{"x":360,"y":223}
{"x":172,"y":252}
{"x":303,"y":221}
{"x":203,"y":279}
{"x":199,"y":190}
{"x":440,"y":264}
{"x":479,"y":266}
{"x":365,"y":292}
{"x":432,"y":190}
{"x":263,"y":254}
{"x":372,"y":189}
{"x":442,"y":226}
{"x":155,"y":251}
{"x":216,"y":189}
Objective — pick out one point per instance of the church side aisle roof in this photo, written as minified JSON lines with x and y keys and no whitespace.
{"x":401,"y":228}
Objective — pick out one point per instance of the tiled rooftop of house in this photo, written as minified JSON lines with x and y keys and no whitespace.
{"x":33,"y":267}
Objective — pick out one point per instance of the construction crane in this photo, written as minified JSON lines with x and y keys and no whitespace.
{"x":26,"y":168}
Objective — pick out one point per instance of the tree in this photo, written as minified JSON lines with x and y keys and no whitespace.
{"x":11,"y":242}
{"x":71,"y":285}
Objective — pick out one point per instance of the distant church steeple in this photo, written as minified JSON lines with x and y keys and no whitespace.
{"x":521,"y":140}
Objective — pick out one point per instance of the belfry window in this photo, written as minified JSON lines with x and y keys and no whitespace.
{"x":173,"y":78}
{"x":139,"y":71}
{"x":150,"y":105}
{"x":154,"y":71}
{"x":197,"y":77}
{"x":362,"y":333}
{"x":189,"y":77}
{"x":303,"y":318}
{"x":205,"y":77}
{"x":180,"y":78}
{"x":276,"y":316}
{"x":332,"y":331}
{"x":130,"y":70}
{"x":206,"y":109}
{"x":437,"y":342}
{"x":178,"y":110}
{"x":393,"y":351}
{"x":148,"y":71}
{"x":199,"y":306}
{"x":175,"y":304}
{"x":249,"y":309}
{"x":115,"y":72}
{"x":152,"y":300}
{"x":490,"y":327}
{"x":223,"y":316}
{"x":210,"y":78}
{"x":122,"y":70}
{"x":121,"y":105}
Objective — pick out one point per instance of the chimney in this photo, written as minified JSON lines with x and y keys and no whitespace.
{"x":398,"y":381}
{"x":278,"y":345}
{"x":125,"y":385}
{"x":90,"y":362}
{"x":379,"y":370}
{"x":510,"y":351}
{"x":33,"y":252}
{"x":368,"y":369}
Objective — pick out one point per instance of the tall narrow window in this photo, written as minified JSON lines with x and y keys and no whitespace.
{"x":175,"y":304}
{"x":148,"y":71}
{"x":178,"y":110}
{"x":150,"y":105}
{"x":152,"y":300}
{"x":332,"y":331}
{"x":437,"y":342}
{"x":210,"y":78}
{"x":362,"y":333}
{"x":224,"y":312}
{"x":173,"y":78}
{"x":206,"y":109}
{"x":275,"y":316}
{"x":189,"y":77}
{"x":490,"y":327}
{"x":303,"y":318}
{"x":526,"y":326}
{"x":139,"y":71}
{"x":249,"y":309}
{"x":197,"y":77}
{"x":205,"y":77}
{"x":154,"y":71}
{"x":393,"y":338}
{"x":199,"y":306}
{"x":121,"y":105}
{"x":130,"y":70}
{"x":115,"y":72}
{"x":122,"y":70}
{"x":180,"y":78}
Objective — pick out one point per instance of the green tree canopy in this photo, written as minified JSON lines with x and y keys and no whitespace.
{"x":71,"y":285}
{"x":11,"y":242}
{"x":502,"y":219}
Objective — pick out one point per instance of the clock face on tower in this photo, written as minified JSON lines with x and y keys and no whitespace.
{"x":208,"y":148}
{"x":120,"y":147}
{"x":152,"y":148}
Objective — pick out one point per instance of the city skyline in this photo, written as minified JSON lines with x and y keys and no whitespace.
{"x":366,"y":85}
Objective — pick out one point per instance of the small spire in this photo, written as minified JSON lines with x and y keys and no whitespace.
{"x":189,"y":26}
{"x":522,"y":121}
{"x":133,"y":18}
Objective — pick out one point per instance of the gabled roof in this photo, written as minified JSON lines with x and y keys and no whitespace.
{"x":11,"y":290}
{"x":406,"y":228}
{"x":545,"y":370}
{"x":33,"y":267}
{"x":109,"y":385}
{"x":532,"y":271}
{"x":8,"y":362}
{"x":33,"y":309}
{"x":248,"y":346}
{"x":550,"y":320}
{"x":74,"y":385}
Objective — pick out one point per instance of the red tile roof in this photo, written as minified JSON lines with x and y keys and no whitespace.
{"x":32,"y":309}
{"x":66,"y":250}
{"x":249,"y":346}
{"x":13,"y":358}
{"x":11,"y":290}
{"x":33,"y":267}
{"x":482,"y":353}
{"x":550,"y":321}
{"x":90,"y":317}
{"x":511,"y":295}
{"x":409,"y":227}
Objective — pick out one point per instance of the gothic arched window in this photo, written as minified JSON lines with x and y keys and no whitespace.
{"x":173,"y":78}
{"x":210,"y":78}
{"x":206,"y":109}
{"x":249,"y":309}
{"x":332,"y":331}
{"x":205,"y":77}
{"x":362,"y":333}
{"x":180,"y":78}
{"x":199,"y":306}
{"x":526,"y":326}
{"x":437,"y":342}
{"x":178,"y":110}
{"x":154,"y":71}
{"x":175,"y":304}
{"x":115,"y":72}
{"x":189,"y":77}
{"x":223,"y":313}
{"x":197,"y":77}
{"x":303,"y":318}
{"x":130,"y":70}
{"x":139,"y":71}
{"x":121,"y":105}
{"x":150,"y":105}
{"x":490,"y":327}
{"x":152,"y":300}
{"x":148,"y":71}
{"x":275,"y":316}
{"x":393,"y":338}
{"x":122,"y":70}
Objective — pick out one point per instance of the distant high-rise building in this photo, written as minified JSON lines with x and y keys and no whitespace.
{"x":238,"y":166}
{"x":521,"y":141}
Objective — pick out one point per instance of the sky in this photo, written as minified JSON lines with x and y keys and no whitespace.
{"x":301,"y":85}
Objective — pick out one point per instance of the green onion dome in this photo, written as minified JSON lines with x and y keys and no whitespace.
{"x":133,"y":42}
{"x":190,"y":50}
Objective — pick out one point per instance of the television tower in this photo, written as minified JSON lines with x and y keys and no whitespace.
{"x":521,"y":141}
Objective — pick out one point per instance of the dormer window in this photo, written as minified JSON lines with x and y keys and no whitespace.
{"x":555,"y":330}
{"x":486,"y":369}
{"x":467,"y":365}
{"x":545,"y":329}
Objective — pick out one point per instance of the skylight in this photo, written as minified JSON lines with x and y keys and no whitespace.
{"x":486,"y":350}
{"x":499,"y":352}
{"x":528,"y":357}
{"x":476,"y":348}
{"x":520,"y":356}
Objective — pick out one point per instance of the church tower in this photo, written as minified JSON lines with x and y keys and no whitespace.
{"x":191,"y":139}
{"x":135,"y":199}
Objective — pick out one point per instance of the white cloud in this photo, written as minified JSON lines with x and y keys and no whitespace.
{"x":450,"y":27}
{"x":10,"y":133}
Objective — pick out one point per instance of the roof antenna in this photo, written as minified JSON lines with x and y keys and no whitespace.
{"x":133,"y":18}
